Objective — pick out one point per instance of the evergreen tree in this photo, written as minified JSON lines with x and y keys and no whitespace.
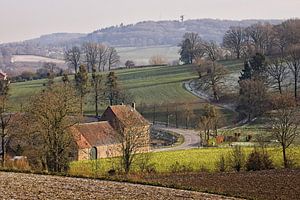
{"x":185,"y":52}
{"x":254,"y":68}
{"x":81,"y":80}
{"x":112,"y":88}
{"x":98,"y":90}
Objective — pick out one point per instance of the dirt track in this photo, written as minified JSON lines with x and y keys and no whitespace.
{"x":30,"y":186}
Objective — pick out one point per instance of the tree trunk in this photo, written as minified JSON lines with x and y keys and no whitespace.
{"x":285,"y":161}
{"x":154,"y":113}
{"x":96,"y":104}
{"x":176,"y":118}
{"x":296,"y":86}
{"x":81,"y":105}
{"x":3,"y":151}
{"x":279,"y":86}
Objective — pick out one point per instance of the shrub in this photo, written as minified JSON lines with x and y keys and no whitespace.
{"x":237,"y":158}
{"x":20,"y":164}
{"x":258,"y":161}
{"x":111,"y":172}
{"x":177,"y":167}
{"x":221,"y":164}
{"x":143,"y":163}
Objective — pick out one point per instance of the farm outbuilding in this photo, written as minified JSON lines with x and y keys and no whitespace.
{"x":102,"y":139}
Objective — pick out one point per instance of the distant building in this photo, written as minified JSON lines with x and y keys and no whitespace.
{"x":102,"y":139}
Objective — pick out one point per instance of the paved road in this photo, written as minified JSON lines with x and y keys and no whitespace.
{"x":191,"y":138}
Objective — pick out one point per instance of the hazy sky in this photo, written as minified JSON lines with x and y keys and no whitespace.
{"x":24,"y":19}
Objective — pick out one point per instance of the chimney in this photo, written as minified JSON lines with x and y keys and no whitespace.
{"x":133,"y":105}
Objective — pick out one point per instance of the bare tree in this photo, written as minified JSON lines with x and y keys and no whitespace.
{"x":212,"y":77}
{"x":212,"y":51}
{"x":52,"y":71}
{"x":292,"y":31}
{"x":157,"y":60}
{"x":293,"y":62}
{"x":278,"y":72}
{"x":102,"y":56}
{"x":281,"y":41}
{"x":133,"y":139}
{"x":252,"y":99}
{"x":112,"y":57}
{"x":190,"y":48}
{"x":91,"y":56}
{"x":188,"y":114}
{"x":234,"y":40}
{"x":285,"y":120}
{"x":73,"y":57}
{"x":5,"y":118}
{"x":208,"y":123}
{"x":261,"y":37}
{"x":49,"y":116}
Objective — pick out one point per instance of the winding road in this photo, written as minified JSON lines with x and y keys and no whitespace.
{"x":191,"y":137}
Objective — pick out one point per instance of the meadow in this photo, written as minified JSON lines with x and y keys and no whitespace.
{"x":146,"y":86}
{"x":141,"y":55}
{"x":192,"y":160}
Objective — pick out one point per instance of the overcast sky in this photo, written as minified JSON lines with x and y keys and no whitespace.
{"x":24,"y":19}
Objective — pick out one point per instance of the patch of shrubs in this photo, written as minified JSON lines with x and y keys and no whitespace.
{"x":221,"y":164}
{"x":237,"y":158}
{"x":177,"y":167}
{"x":258,"y":161}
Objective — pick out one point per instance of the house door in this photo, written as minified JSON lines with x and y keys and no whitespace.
{"x":94,"y":153}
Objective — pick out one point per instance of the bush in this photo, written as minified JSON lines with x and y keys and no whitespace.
{"x":237,"y":158}
{"x":176,"y":167}
{"x":20,"y":164}
{"x":258,"y":161}
{"x":143,"y":163}
{"x":221,"y":164}
{"x":111,"y":172}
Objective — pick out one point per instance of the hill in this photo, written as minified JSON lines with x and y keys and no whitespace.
{"x":146,"y":33}
{"x":152,"y":33}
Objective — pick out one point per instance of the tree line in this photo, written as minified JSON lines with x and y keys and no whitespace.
{"x":97,"y":57}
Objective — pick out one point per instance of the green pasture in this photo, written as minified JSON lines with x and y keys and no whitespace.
{"x":146,"y":86}
{"x":192,"y":160}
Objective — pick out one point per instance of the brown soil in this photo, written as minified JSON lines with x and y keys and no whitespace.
{"x":31,"y":186}
{"x":272,"y":184}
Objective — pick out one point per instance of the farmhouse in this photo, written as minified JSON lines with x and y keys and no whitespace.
{"x":104,"y":138}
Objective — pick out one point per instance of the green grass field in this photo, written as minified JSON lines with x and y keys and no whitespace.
{"x":141,"y":55}
{"x":147,"y":86}
{"x":192,"y":160}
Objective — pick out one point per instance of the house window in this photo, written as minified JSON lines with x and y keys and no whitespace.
{"x":93,"y":154}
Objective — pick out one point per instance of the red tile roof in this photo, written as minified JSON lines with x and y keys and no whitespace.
{"x":128,"y":115}
{"x":94,"y":134}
